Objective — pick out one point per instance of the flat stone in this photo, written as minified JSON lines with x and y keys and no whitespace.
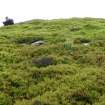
{"x":40,"y":42}
{"x":86,"y":44}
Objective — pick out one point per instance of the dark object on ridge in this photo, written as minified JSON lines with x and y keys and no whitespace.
{"x":8,"y":22}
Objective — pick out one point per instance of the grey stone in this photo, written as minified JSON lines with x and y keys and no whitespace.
{"x":40,"y":42}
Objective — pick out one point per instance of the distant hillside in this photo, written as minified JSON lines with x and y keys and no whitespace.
{"x":53,"y":62}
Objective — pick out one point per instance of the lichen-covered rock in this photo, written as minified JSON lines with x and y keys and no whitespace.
{"x":43,"y":61}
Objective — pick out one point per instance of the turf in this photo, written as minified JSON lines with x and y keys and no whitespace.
{"x":67,"y":69}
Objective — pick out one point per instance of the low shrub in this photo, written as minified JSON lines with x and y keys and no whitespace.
{"x":5,"y":99}
{"x":91,"y":26}
{"x":75,"y":28}
{"x":98,"y":43}
{"x":80,"y":96}
{"x":92,"y":59}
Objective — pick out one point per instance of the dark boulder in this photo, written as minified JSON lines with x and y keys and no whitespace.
{"x":43,"y":61}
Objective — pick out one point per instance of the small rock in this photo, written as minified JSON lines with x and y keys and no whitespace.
{"x":40,"y":42}
{"x":86,"y":44}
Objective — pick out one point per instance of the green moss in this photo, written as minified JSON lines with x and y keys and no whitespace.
{"x":68,"y":69}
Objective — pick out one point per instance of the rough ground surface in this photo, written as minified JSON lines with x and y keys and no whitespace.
{"x":67,"y":69}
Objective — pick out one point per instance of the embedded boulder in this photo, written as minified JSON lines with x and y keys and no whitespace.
{"x":81,"y":41}
{"x":40,"y":42}
{"x":29,"y":40}
{"x":43,"y":61}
